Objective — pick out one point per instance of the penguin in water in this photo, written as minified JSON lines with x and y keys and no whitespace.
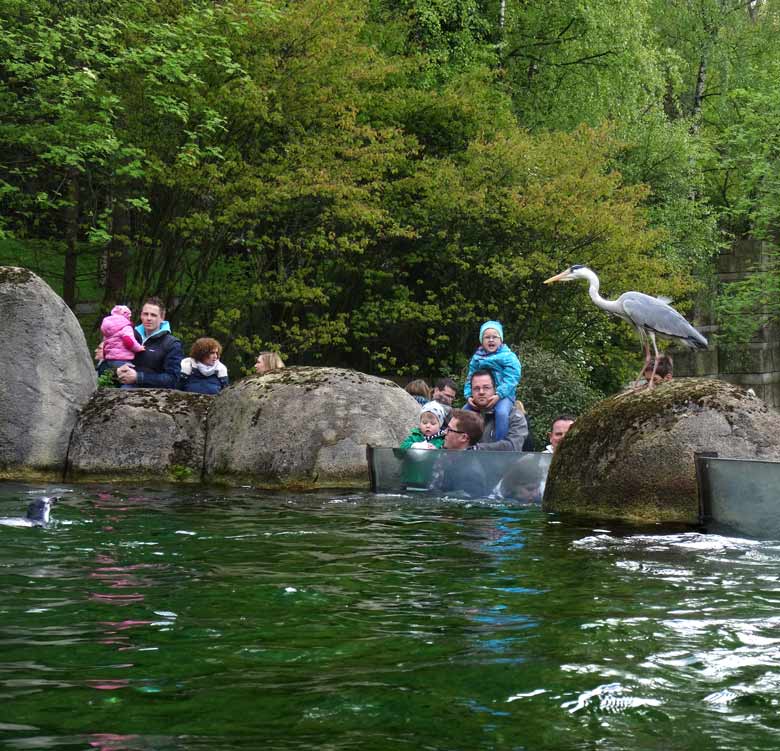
{"x":38,"y":514}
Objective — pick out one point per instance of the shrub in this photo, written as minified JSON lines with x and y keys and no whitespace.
{"x":550,"y":386}
{"x":107,"y":379}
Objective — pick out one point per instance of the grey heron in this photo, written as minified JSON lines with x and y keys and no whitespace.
{"x":648,"y":315}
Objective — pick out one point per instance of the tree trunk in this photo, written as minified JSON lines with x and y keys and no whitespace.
{"x":116,"y":257}
{"x":71,"y":241}
{"x":698,"y":92}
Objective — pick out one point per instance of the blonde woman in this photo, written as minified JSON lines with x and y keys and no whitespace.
{"x":268,"y":361}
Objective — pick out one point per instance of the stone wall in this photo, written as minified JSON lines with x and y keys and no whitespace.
{"x":753,"y":365}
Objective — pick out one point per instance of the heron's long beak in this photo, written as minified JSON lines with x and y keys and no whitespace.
{"x":562,"y":277}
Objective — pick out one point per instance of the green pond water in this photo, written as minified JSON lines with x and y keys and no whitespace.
{"x":158,"y":618}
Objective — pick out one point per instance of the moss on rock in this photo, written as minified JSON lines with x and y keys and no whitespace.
{"x":15,"y":275}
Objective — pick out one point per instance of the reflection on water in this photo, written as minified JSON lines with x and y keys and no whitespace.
{"x":169,"y":619}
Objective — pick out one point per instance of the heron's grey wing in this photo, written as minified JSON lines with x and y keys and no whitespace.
{"x":655,"y":315}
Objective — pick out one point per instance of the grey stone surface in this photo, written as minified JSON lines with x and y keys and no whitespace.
{"x":48,"y":375}
{"x":632,"y":456}
{"x":140,"y":434}
{"x":304,"y":427}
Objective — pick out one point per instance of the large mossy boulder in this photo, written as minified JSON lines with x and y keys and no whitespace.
{"x":632,"y":456}
{"x":48,"y":375}
{"x":304,"y":427}
{"x":140,"y":434}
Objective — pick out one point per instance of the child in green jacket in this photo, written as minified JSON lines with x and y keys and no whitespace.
{"x":429,"y":434}
{"x":417,"y":465}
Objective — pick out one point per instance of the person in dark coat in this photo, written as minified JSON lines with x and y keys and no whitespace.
{"x":159,"y":365}
{"x":459,"y":469}
{"x":202,"y":372}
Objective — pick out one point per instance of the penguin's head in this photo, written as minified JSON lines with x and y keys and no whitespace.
{"x":39,"y":510}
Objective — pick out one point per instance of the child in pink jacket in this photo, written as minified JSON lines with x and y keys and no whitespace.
{"x":119,"y":344}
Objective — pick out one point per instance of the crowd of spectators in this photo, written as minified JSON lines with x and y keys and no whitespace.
{"x":492,"y":419}
{"x":150,"y":356}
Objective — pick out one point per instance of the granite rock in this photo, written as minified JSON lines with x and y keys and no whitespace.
{"x":48,"y":375}
{"x":304,"y":427}
{"x":632,"y":456}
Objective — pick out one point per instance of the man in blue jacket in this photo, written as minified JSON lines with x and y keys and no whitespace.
{"x":158,"y":366}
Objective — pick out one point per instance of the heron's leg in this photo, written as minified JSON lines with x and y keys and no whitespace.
{"x":651,"y":382}
{"x":646,"y":347}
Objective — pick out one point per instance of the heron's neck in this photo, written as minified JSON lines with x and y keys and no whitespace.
{"x":611,"y":306}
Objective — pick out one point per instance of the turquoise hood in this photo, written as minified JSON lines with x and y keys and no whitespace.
{"x":141,"y":331}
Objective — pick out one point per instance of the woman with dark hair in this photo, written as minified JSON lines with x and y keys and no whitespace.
{"x":420,"y":390}
{"x":202,"y":372}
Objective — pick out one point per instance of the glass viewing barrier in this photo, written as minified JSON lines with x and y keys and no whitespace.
{"x":515,"y":475}
{"x":742,"y":494}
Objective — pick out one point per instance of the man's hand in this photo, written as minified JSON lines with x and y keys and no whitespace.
{"x":126,"y":374}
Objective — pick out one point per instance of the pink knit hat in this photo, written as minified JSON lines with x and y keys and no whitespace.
{"x":122,"y":310}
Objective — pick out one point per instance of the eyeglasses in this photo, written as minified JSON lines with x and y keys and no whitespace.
{"x":448,"y":429}
{"x":491,"y":337}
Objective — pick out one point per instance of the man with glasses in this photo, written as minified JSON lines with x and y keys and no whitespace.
{"x":455,"y":472}
{"x":463,"y":431}
{"x":445,"y":391}
{"x":483,"y":392}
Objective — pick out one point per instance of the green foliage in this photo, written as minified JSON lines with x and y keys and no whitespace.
{"x":107,"y":379}
{"x":446,"y":37}
{"x":743,"y":124}
{"x":45,"y":258}
{"x":180,"y":473}
{"x":350,"y":183}
{"x":551,"y":386}
{"x":668,"y":157}
{"x":749,"y":158}
{"x":570,"y":63}
{"x":746,"y":305}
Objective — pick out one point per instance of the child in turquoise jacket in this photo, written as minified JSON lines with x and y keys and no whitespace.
{"x":495,"y":356}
